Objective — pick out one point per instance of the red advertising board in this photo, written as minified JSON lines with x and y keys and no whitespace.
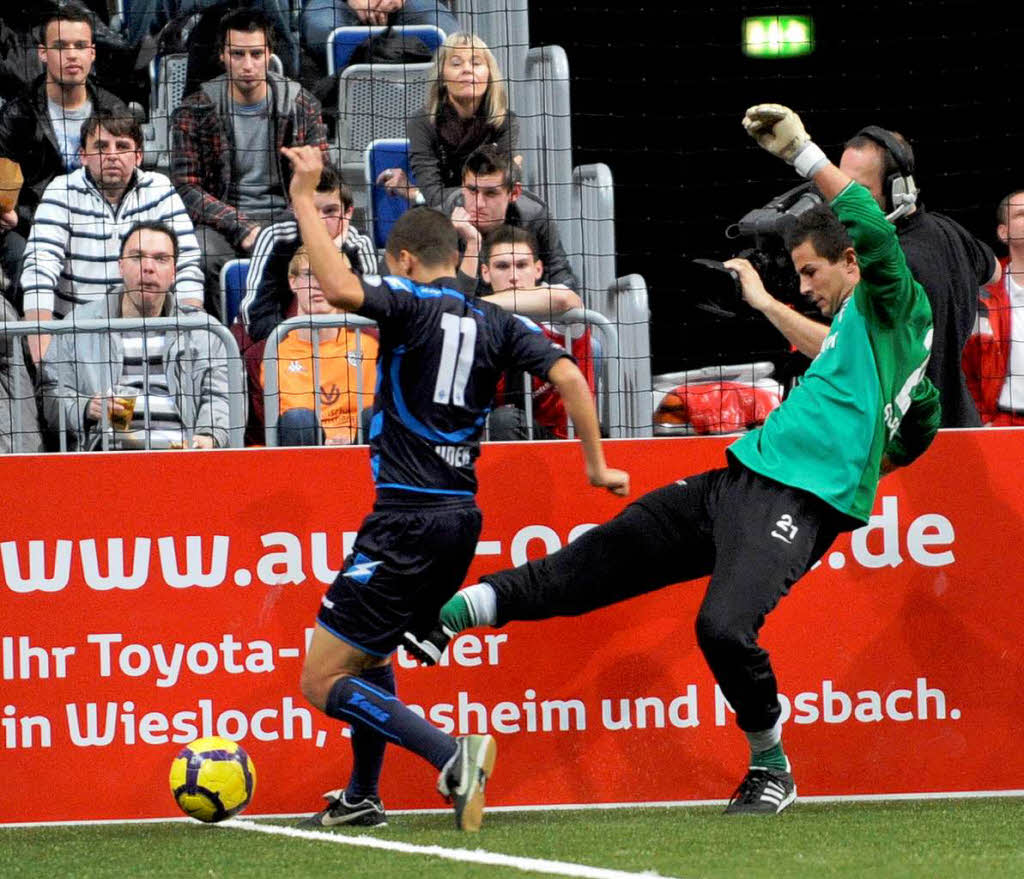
{"x":152,"y":598}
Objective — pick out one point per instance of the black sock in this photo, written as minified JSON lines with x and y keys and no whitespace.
{"x":367,"y":744}
{"x":366,"y":705}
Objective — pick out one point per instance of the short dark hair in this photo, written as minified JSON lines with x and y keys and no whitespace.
{"x":1003,"y":208}
{"x":506,"y":234}
{"x":68,"y":12}
{"x":889,"y":164}
{"x":120,"y":123}
{"x":331,"y":179}
{"x":427,"y":234}
{"x":488,"y":159}
{"x":152,"y":226}
{"x":248,"y":20}
{"x":822,"y":228}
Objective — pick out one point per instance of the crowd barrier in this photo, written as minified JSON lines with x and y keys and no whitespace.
{"x":198,"y":321}
{"x":576,"y":321}
{"x":173,"y":595}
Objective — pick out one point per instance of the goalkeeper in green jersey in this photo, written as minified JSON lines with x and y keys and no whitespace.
{"x":788,"y":488}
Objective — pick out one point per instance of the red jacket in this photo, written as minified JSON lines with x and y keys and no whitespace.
{"x":986,"y":356}
{"x":548,"y":408}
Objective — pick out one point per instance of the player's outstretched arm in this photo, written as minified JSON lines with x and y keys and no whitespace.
{"x":340,"y":285}
{"x":575,"y":392}
{"x":544,"y":302}
{"x":779,"y":130}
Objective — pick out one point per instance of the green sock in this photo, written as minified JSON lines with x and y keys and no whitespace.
{"x":773,"y":758}
{"x":456,"y":614}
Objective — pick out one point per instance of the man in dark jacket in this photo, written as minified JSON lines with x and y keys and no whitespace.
{"x":947,"y":260}
{"x":492,"y":196}
{"x":226,"y":141}
{"x":41,"y":130}
{"x":20,"y":64}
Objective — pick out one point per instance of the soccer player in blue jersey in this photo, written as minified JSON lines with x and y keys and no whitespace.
{"x":441,"y":355}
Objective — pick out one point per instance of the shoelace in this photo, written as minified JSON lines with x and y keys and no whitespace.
{"x":752,"y":786}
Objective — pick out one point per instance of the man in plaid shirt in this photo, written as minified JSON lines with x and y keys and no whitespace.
{"x":226,"y":140}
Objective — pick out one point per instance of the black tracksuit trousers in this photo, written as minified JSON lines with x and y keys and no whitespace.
{"x":754,"y":536}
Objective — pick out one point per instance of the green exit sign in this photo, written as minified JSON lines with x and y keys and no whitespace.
{"x":778,"y":36}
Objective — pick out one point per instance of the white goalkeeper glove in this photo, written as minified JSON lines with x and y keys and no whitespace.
{"x":780,"y":131}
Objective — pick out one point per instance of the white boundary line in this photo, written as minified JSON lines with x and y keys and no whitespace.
{"x":466,"y":856}
{"x":563,"y":807}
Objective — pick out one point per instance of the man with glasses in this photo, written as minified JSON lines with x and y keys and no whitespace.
{"x":40,"y":129}
{"x":158,"y":389}
{"x":73,"y":249}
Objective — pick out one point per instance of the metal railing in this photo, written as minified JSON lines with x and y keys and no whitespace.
{"x":576,"y":322}
{"x":629,"y":312}
{"x":236,"y":376}
{"x":606,"y":375}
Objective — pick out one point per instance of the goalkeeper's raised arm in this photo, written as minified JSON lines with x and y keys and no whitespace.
{"x":889,"y":288}
{"x":780,"y":131}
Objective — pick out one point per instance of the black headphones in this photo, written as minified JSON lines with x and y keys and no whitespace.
{"x":899,"y":187}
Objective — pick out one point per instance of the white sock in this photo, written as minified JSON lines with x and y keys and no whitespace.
{"x":482,"y":602}
{"x":765,"y":739}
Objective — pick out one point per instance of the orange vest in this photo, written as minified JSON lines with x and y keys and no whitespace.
{"x":339,"y":378}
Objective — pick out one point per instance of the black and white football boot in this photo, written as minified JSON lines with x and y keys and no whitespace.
{"x":763,"y":791}
{"x":368,"y":812}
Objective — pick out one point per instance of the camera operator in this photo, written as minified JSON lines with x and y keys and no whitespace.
{"x":731,"y":289}
{"x":944,"y":258}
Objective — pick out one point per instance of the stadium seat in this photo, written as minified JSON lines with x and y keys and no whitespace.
{"x":374,"y":101}
{"x":383,"y":208}
{"x":233,"y":278}
{"x":343,"y":41}
{"x":167,"y":76}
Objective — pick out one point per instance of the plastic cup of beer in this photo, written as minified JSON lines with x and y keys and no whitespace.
{"x":125,"y":396}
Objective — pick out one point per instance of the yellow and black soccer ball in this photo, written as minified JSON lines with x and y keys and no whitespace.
{"x":212,"y":779}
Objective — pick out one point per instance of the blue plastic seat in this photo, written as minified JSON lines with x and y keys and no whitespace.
{"x":233,"y":278}
{"x":343,"y":41}
{"x":384,"y":208}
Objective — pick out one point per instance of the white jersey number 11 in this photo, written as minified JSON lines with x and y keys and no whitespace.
{"x":457,"y":351}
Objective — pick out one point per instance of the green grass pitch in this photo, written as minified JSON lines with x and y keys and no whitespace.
{"x":970,"y":837}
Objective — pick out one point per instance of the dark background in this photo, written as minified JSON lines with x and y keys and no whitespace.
{"x":658,"y":93}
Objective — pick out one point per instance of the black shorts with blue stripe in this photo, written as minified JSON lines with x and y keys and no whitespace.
{"x":408,"y":559}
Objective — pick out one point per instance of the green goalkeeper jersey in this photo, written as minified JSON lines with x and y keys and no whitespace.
{"x":865,"y":395}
